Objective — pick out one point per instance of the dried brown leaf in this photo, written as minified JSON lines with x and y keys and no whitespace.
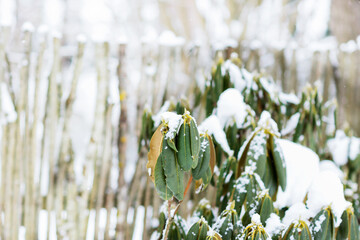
{"x":212,"y":154}
{"x":155,"y":149}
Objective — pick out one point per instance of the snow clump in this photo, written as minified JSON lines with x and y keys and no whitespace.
{"x":327,"y":190}
{"x":231,"y":108}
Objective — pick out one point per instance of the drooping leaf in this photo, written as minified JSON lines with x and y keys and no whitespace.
{"x":226,"y":222}
{"x":198,"y":230}
{"x":297,"y":230}
{"x":171,"y":144}
{"x":322,"y":226}
{"x":195,"y":142}
{"x":174,"y":175}
{"x":160,"y":180}
{"x":240,"y":191}
{"x":269,"y":178}
{"x":265,"y":208}
{"x":184,"y":149}
{"x":225,"y":182}
{"x":257,"y":153}
{"x":155,"y":149}
{"x":204,"y":159}
{"x":193,"y":233}
{"x":204,"y":210}
{"x":213,"y":236}
{"x":349,"y":227}
{"x":174,"y":232}
{"x":243,"y":154}
{"x":212,"y":154}
{"x":279,"y":162}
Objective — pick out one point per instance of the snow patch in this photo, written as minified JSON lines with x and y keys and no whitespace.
{"x":339,"y":147}
{"x":266,"y":122}
{"x":291,"y":124}
{"x":274,"y":225}
{"x":327,"y":190}
{"x":212,"y":126}
{"x":297,"y":212}
{"x":173,"y":122}
{"x":302,"y":165}
{"x":231,"y":108}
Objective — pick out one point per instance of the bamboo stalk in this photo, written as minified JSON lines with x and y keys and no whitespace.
{"x":4,"y":163}
{"x":27,"y":161}
{"x":18,"y":169}
{"x":3,"y":130}
{"x":52,"y":125}
{"x":65,"y":140}
{"x":71,"y":203}
{"x":110,"y":197}
{"x":94,"y":147}
{"x":122,"y":143}
{"x":105,"y":166}
{"x":146,"y":205}
{"x":293,"y":73}
{"x":11,"y":128}
{"x":103,"y":71}
{"x":34,"y":144}
{"x":140,"y":194}
{"x":134,"y":190}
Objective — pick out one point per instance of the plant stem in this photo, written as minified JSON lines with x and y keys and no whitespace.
{"x":170,"y":218}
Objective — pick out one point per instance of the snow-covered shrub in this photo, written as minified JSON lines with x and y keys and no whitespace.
{"x":260,"y":151}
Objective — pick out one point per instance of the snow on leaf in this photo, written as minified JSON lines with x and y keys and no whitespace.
{"x":212,"y":126}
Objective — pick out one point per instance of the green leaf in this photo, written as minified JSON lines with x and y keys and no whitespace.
{"x":174,"y":232}
{"x":240,"y":191}
{"x":160,"y":181}
{"x":257,"y":153}
{"x":204,"y":159}
{"x":174,"y":175}
{"x":354,"y":228}
{"x":198,"y":230}
{"x":251,"y":192}
{"x":243,"y":154}
{"x":203,"y":230}
{"x":269,"y":178}
{"x":279,"y":162}
{"x":218,"y":82}
{"x":195,"y":142}
{"x":305,"y":233}
{"x":193,"y":233}
{"x":224,"y":230}
{"x":206,"y":177}
{"x":343,"y":229}
{"x":289,"y":232}
{"x":349,"y":227}
{"x":299,"y":230}
{"x":226,"y":222}
{"x":322,"y":225}
{"x":233,"y":138}
{"x":184,"y":149}
{"x":225,"y":182}
{"x":171,"y":144}
{"x":204,"y":210}
{"x":266,"y":208}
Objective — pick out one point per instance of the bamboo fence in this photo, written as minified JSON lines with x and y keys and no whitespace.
{"x":43,"y":193}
